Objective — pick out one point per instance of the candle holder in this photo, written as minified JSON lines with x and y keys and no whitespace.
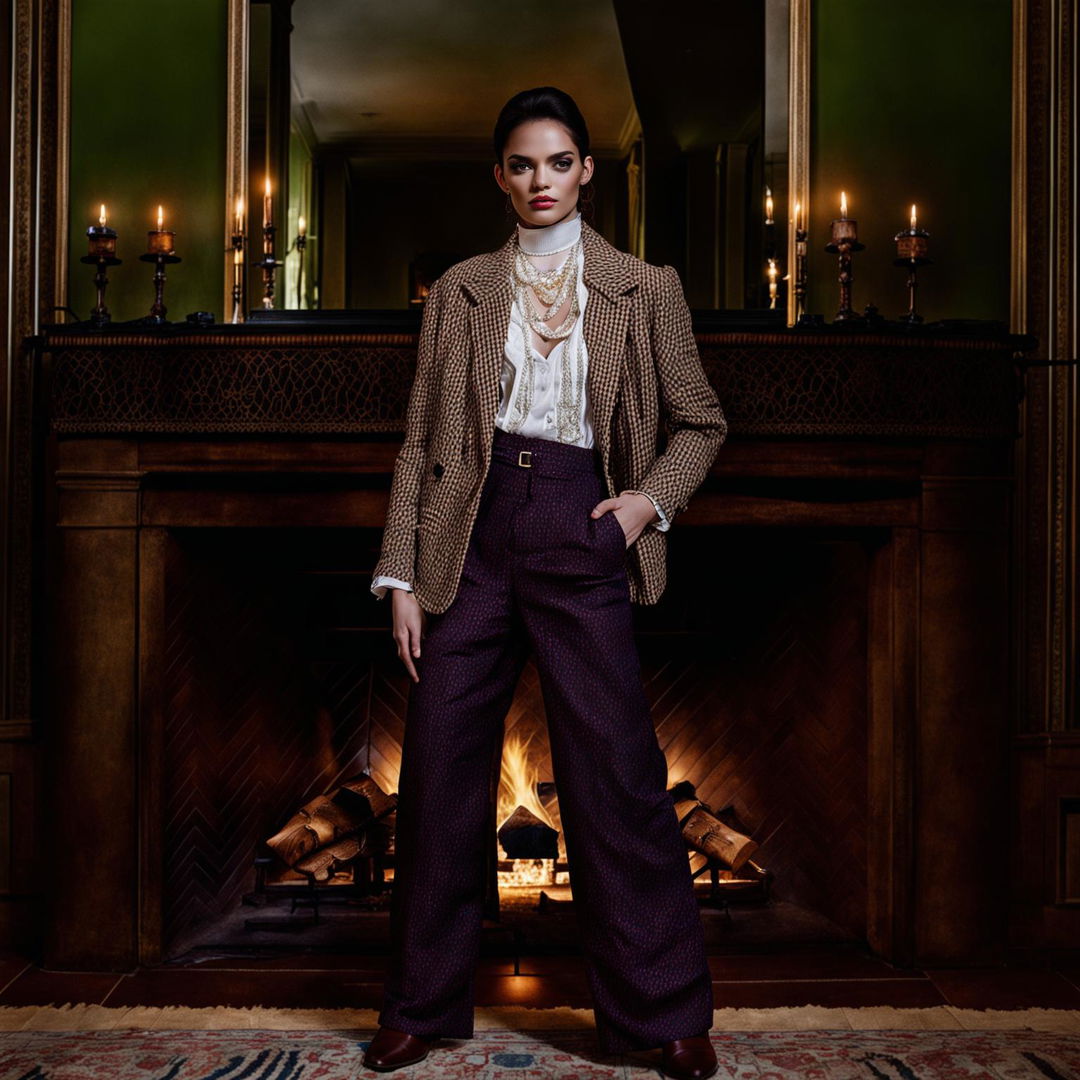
{"x":800,"y":275}
{"x":912,"y":246}
{"x":158,"y":309}
{"x":300,"y":243}
{"x":269,"y":265}
{"x":100,"y":315}
{"x":239,"y":277}
{"x":843,"y":243}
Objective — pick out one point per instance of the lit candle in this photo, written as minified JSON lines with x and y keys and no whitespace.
{"x":102,"y":238}
{"x":912,"y":243}
{"x":768,"y":206}
{"x":268,"y":212}
{"x":238,"y":228}
{"x":772,"y":283}
{"x":798,"y":217}
{"x":302,"y":226}
{"x":160,"y":240}
{"x":844,"y":229}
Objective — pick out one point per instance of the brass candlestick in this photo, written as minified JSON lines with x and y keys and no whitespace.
{"x":844,"y":242}
{"x":102,"y":253}
{"x":100,"y":315}
{"x":238,"y":286}
{"x":269,"y":264}
{"x":158,"y":309}
{"x":912,"y":246}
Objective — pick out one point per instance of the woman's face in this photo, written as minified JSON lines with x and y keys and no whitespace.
{"x":542,"y":172}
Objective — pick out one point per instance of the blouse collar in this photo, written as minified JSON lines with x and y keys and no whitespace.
{"x":550,"y":237}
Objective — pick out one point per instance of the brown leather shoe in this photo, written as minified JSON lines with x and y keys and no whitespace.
{"x":689,"y":1059}
{"x":391,"y":1049}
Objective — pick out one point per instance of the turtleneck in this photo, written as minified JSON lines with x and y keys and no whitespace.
{"x":550,"y":237}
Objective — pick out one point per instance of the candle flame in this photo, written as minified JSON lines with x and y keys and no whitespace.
{"x":772,"y":271}
{"x":798,"y":207}
{"x":768,"y":205}
{"x":268,"y":187}
{"x":160,"y":218}
{"x":302,"y":224}
{"x":913,"y":215}
{"x":843,"y":204}
{"x":101,"y":219}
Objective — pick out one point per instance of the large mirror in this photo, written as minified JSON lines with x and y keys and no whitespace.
{"x":372,"y":123}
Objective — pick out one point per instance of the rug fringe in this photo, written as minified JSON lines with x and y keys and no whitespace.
{"x":86,"y":1017}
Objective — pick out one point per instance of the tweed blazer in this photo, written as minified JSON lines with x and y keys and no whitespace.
{"x":657,"y":422}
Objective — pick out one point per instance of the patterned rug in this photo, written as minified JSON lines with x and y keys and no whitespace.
{"x":536,"y":1055}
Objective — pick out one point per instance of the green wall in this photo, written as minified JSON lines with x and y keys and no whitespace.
{"x":148,"y":86}
{"x":911,"y":103}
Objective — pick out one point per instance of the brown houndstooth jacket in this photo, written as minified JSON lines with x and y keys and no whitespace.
{"x":644,"y":375}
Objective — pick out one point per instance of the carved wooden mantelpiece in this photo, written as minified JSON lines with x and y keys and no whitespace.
{"x":249,"y":379}
{"x":904,"y":442}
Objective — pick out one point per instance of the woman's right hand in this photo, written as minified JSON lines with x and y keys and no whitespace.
{"x":409,"y":620}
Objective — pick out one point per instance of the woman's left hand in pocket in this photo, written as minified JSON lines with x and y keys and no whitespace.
{"x":633,"y":511}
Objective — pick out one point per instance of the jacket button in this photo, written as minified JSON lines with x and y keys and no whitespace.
{"x":437,"y":468}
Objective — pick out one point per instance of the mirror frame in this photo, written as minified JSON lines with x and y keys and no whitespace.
{"x":236,"y":158}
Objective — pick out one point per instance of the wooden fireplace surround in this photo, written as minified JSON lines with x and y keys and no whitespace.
{"x":907,"y":434}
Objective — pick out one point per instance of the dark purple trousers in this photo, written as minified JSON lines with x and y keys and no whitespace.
{"x":541,"y":573}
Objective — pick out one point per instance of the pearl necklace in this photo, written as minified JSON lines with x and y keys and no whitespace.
{"x":553,"y":287}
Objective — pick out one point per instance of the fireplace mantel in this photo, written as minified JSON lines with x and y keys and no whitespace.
{"x":905,"y":436}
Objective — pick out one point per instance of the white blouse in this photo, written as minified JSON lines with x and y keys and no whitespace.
{"x":541,"y":419}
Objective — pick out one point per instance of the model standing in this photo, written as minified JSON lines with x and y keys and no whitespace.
{"x":527,"y":511}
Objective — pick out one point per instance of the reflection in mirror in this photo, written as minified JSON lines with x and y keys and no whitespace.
{"x":373,"y":123}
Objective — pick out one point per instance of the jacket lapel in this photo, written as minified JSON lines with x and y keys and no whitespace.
{"x":606,"y":321}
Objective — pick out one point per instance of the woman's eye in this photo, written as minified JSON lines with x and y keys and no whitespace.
{"x":518,"y":166}
{"x":564,"y":162}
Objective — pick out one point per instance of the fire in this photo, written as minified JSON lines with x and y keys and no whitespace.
{"x":517,"y":787}
{"x":517,"y":784}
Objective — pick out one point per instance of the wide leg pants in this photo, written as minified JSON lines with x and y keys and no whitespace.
{"x":541,"y":573}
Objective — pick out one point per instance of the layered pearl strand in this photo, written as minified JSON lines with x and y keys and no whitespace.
{"x":553,"y":287}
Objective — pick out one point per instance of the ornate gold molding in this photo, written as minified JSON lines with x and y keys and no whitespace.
{"x":236,"y":137}
{"x":798,"y":132}
{"x":61,"y":181}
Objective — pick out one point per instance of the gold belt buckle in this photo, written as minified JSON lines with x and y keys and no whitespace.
{"x":522,"y":456}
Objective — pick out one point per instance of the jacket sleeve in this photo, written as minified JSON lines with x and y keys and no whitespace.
{"x":397,"y":558}
{"x":695,"y":422}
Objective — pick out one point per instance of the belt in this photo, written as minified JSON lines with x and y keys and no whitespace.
{"x":533,"y":452}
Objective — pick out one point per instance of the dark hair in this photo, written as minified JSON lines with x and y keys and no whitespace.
{"x":541,"y":103}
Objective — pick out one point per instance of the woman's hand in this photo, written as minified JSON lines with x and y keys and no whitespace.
{"x":409,"y":621}
{"x":637,"y":512}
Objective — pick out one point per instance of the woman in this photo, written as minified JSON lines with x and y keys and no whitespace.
{"x":544,"y":372}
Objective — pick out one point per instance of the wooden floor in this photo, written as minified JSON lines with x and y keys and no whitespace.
{"x":782,"y":977}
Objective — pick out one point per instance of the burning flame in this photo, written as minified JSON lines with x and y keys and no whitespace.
{"x":517,"y":784}
{"x":102,"y":218}
{"x":843,"y":204}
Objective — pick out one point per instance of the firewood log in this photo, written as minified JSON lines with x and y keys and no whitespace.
{"x":706,"y":833}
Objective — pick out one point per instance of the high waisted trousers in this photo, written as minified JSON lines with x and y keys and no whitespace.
{"x":540,"y":572}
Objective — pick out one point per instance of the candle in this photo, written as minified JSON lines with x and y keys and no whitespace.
{"x":768,"y":206}
{"x":772,"y":283}
{"x":302,"y":225}
{"x":844,"y":229}
{"x":912,"y":243}
{"x":102,"y":238}
{"x":160,"y":240}
{"x":268,"y":208}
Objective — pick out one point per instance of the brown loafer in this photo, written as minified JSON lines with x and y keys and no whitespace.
{"x":689,"y":1059}
{"x":391,"y":1049}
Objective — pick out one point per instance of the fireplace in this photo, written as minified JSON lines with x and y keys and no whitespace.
{"x":279,"y":680}
{"x":830,"y":657}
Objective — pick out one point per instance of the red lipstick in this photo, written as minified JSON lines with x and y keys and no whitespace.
{"x":542,"y":202}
